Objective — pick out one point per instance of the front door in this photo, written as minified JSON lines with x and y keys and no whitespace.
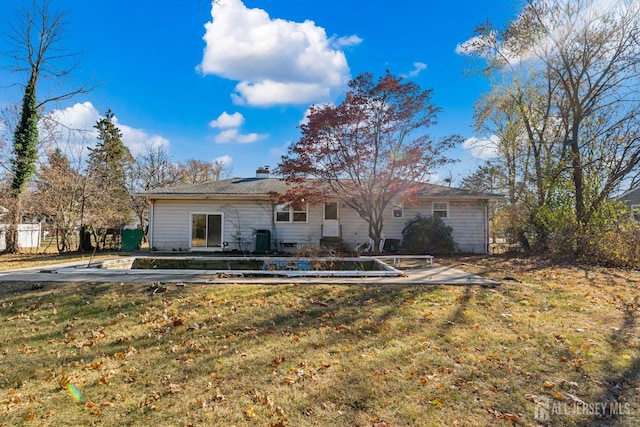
{"x":206,"y":231}
{"x":331,"y":223}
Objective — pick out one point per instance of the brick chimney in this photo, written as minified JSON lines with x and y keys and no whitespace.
{"x":263,"y":172}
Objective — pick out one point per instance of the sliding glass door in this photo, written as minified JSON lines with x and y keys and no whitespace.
{"x":206,"y":231}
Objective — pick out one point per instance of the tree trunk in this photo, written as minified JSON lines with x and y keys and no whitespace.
{"x":15,"y":216}
{"x":85,"y":245}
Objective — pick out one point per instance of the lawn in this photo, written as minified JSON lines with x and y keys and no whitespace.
{"x":552,"y":345}
{"x":17,"y":261}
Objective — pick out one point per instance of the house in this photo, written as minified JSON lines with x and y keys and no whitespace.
{"x":632,"y":199}
{"x":242,"y":214}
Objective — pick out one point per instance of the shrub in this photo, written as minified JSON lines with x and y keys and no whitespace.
{"x":615,"y":246}
{"x":426,"y":234}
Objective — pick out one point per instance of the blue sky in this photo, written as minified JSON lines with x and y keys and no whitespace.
{"x":233,"y":81}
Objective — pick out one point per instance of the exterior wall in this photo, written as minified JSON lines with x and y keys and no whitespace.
{"x":467,"y":219}
{"x":470,"y":225}
{"x":632,"y":199}
{"x":171,"y":224}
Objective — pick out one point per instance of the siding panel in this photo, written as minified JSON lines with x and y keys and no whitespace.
{"x":171,"y":224}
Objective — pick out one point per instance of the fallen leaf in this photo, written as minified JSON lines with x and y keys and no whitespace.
{"x":276,"y":362}
{"x":249,"y":412}
{"x":437,"y":402}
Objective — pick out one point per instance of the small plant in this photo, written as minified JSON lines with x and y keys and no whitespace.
{"x":427,"y":234}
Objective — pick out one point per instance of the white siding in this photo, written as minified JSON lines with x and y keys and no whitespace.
{"x":466,"y":218}
{"x":469,"y":222}
{"x":171,"y":224}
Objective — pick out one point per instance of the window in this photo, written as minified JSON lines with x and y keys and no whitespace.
{"x":291,"y":213}
{"x":398,"y":211}
{"x":283,"y":213}
{"x":441,"y":209}
{"x":635,"y":213}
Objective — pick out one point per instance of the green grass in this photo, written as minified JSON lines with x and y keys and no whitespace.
{"x":292,"y":355}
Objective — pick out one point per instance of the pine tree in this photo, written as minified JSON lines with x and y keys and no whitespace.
{"x":107,"y":203}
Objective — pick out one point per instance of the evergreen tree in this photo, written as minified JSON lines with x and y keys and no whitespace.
{"x":106,"y":199}
{"x":110,"y":160}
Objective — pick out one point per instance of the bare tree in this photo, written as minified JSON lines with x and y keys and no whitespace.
{"x":57,"y":197}
{"x":195,"y":171}
{"x":36,"y":38}
{"x":152,"y":169}
{"x":569,"y":79}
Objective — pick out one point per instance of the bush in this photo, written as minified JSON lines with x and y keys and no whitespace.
{"x":427,"y":235}
{"x":615,"y":246}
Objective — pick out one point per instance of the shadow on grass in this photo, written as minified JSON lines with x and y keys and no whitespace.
{"x":621,"y":386}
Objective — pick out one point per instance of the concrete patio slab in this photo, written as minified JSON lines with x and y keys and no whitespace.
{"x":431,"y":275}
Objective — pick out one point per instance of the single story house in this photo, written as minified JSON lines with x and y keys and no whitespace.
{"x":242,"y":214}
{"x":632,"y":199}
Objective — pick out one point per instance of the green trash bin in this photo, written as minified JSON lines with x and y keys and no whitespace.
{"x":263,"y":241}
{"x":131,"y":240}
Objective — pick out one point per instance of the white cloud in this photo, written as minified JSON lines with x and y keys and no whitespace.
{"x":482,"y":148}
{"x":275,"y":61}
{"x":233,"y":135}
{"x":230,"y":125}
{"x":226,"y":121}
{"x":417,"y":68}
{"x":351,"y":40}
{"x":264,"y":93}
{"x":137,"y":139}
{"x":225,"y":160}
{"x":75,"y":126}
{"x":78,"y":118}
{"x":474,"y":45}
{"x":226,"y":136}
{"x":586,"y":16}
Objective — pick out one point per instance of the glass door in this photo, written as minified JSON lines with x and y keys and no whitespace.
{"x":206,"y":231}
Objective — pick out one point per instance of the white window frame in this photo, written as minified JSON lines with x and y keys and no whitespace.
{"x":291,"y":214}
{"x":445,"y":210}
{"x":206,"y":214}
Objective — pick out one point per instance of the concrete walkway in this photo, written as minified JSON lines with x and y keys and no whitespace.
{"x":435,"y":274}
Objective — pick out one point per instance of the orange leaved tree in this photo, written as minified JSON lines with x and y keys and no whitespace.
{"x":367,"y":151}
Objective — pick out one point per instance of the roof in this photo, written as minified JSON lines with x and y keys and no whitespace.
{"x":632,"y":193}
{"x":238,"y":188}
{"x":434,"y":191}
{"x":226,"y":188}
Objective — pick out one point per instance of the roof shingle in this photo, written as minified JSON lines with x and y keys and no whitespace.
{"x":253,"y":187}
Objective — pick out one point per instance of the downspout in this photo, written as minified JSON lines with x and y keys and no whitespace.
{"x":486,"y":227}
{"x":151,"y":222}
{"x":274,"y":237}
